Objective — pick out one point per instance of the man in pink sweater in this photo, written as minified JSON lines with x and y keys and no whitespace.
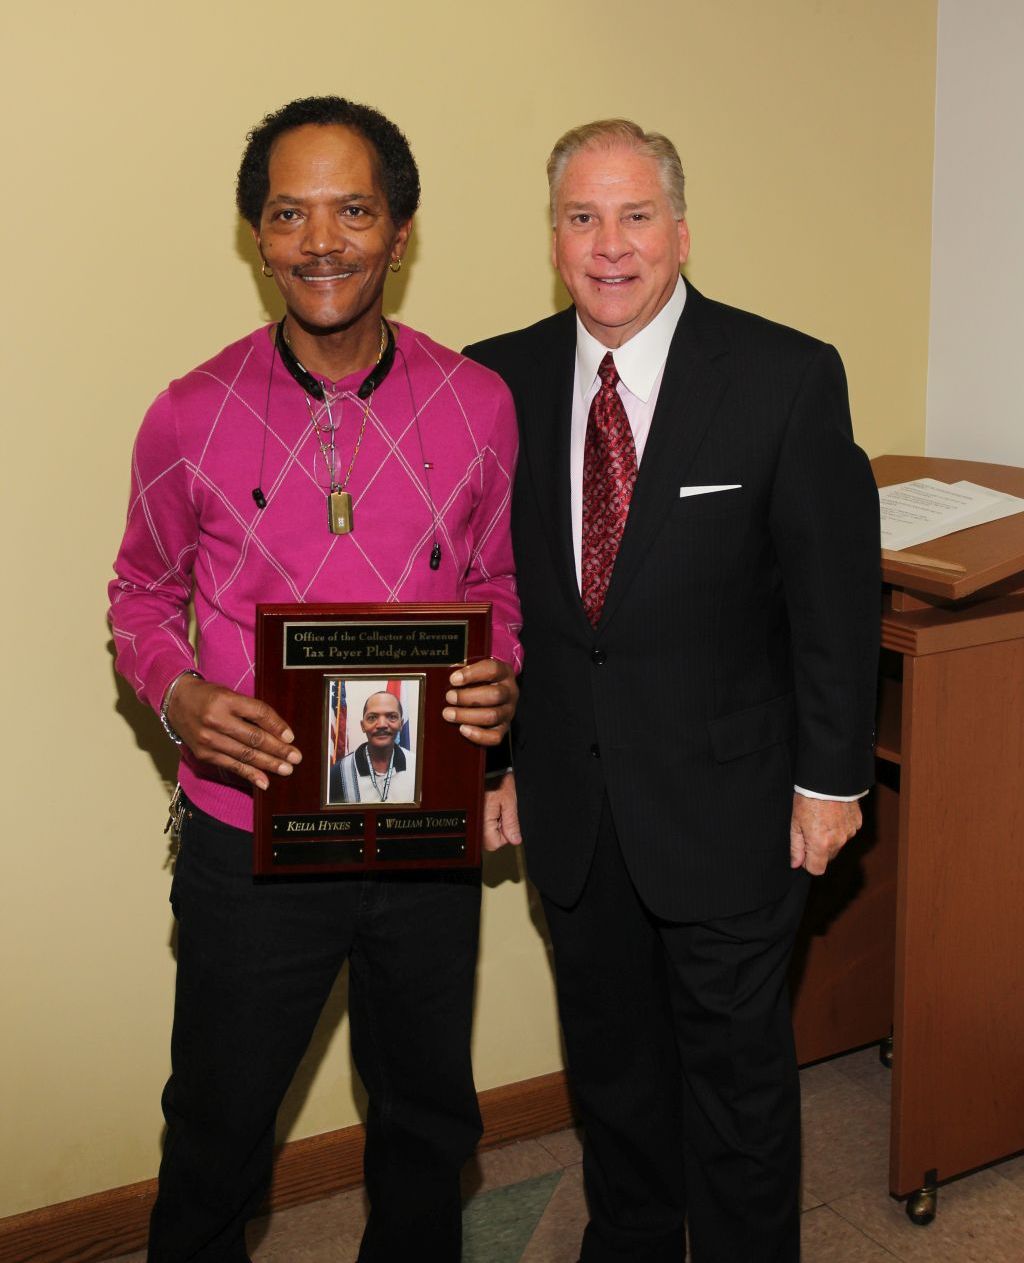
{"x":333,"y":457}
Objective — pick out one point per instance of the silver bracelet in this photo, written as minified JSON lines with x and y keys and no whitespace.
{"x":167,"y":701}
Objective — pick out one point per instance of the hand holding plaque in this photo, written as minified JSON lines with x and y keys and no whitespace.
{"x":484,"y":693}
{"x":386,"y":782}
{"x":241,"y":734}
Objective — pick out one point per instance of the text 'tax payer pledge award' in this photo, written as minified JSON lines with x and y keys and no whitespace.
{"x":384,"y":783}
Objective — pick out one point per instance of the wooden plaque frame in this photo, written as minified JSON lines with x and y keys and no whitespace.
{"x":303,"y":653}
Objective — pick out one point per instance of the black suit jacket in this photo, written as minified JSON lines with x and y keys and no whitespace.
{"x":737,"y":649}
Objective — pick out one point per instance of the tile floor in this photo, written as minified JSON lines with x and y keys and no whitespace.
{"x":525,"y":1202}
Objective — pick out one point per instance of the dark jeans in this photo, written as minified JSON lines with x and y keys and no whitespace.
{"x":256,"y":961}
{"x":680,"y":1053}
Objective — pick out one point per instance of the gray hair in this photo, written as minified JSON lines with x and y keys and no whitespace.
{"x":609,"y":132}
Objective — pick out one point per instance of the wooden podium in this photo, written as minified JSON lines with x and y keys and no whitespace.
{"x":918,"y":927}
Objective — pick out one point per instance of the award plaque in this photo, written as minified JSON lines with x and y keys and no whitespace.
{"x":385,"y":782}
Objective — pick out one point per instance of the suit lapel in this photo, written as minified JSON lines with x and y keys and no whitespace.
{"x":546,"y":433}
{"x":692,"y":386}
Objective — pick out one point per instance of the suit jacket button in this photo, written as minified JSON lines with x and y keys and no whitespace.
{"x":595,"y":751}
{"x":598,"y":657}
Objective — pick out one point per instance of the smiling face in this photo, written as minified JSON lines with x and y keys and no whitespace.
{"x":326,"y":231}
{"x":381,"y":722}
{"x":618,"y":245}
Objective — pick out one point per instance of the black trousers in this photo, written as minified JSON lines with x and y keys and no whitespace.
{"x":256,"y":960}
{"x":680,"y":1051}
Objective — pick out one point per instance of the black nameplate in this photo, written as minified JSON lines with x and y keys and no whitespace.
{"x":403,"y":824}
{"x":318,"y":853}
{"x":313,"y":825}
{"x":421,"y":848}
{"x":324,"y":646}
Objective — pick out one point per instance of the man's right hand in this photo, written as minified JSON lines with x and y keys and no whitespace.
{"x":229,"y":730}
{"x":501,"y":813}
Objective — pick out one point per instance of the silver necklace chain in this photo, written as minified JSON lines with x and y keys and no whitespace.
{"x":383,"y":795}
{"x":327,"y":450}
{"x":326,"y":445}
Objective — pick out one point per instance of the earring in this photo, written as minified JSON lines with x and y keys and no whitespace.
{"x":266,"y":270}
{"x":395,"y":265}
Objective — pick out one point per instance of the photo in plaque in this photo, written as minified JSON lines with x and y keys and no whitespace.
{"x":372,"y":740}
{"x":385,"y":782}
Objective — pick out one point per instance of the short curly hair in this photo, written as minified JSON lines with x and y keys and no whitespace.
{"x":399,"y":174}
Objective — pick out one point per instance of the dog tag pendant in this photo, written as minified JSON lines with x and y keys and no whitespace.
{"x":339,"y":512}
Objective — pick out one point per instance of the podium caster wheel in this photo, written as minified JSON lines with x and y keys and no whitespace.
{"x":922,"y":1205}
{"x":885,"y":1052}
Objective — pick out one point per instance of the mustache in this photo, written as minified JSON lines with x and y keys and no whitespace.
{"x":327,"y":267}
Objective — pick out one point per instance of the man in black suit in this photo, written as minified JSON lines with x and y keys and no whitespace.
{"x":696,"y":539}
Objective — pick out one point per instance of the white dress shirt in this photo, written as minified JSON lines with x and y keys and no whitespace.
{"x":640,"y":363}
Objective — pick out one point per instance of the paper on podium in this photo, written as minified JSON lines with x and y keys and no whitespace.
{"x":915,"y":512}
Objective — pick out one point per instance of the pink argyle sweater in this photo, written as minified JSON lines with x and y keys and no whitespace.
{"x":193,"y":529}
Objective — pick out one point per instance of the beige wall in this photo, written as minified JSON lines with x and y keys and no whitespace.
{"x":806,"y":129}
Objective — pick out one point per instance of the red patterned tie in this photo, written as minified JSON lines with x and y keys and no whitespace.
{"x":609,"y":472}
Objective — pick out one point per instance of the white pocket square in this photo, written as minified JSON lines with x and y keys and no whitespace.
{"x":703,"y":491}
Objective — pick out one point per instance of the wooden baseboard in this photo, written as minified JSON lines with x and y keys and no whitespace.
{"x":116,"y":1221}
